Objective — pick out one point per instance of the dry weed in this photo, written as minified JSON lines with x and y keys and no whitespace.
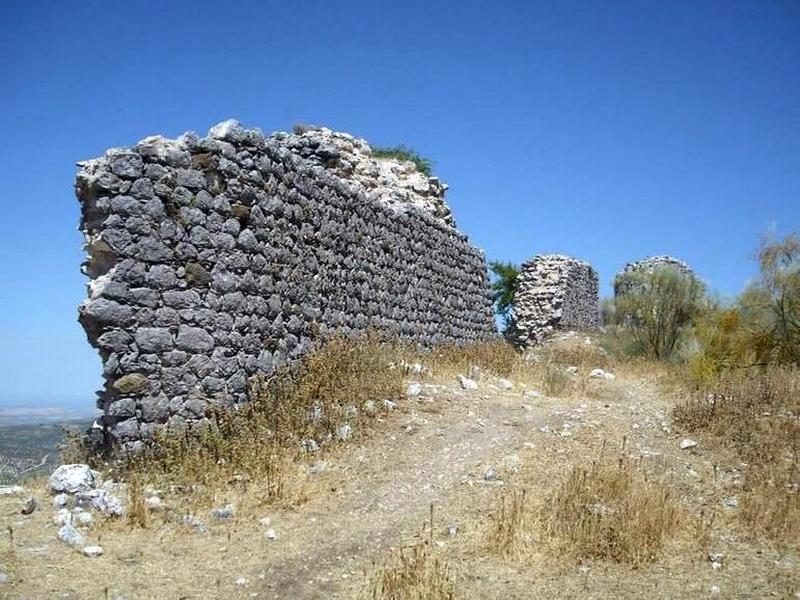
{"x":412,"y":573}
{"x":498,"y":358}
{"x":756,"y":413}
{"x":610,"y":510}
{"x":509,"y":532}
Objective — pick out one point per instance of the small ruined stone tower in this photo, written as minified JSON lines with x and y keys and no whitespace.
{"x":622,"y":281}
{"x":554,"y":292}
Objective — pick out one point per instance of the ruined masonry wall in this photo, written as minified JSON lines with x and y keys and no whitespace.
{"x":213,"y":259}
{"x":554,"y":292}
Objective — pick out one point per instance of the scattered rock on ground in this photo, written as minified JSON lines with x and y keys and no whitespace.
{"x":505,"y":384}
{"x":511,"y":462}
{"x":716,"y":559}
{"x":467,"y":383}
{"x":60,"y":500}
{"x":687,"y":443}
{"x":270,"y":534}
{"x":83,"y":518}
{"x":309,"y":445}
{"x":101,"y":500}
{"x":11,"y":490}
{"x":62,"y":517}
{"x":344,"y":432}
{"x":71,"y":536}
{"x":93,"y":551}
{"x":222,"y":513}
{"x":30,"y":505}
{"x":192,"y":521}
{"x":154,"y":503}
{"x":414,"y":389}
{"x":490,"y":474}
{"x":730,"y":502}
{"x":318,"y":467}
{"x":73,"y":478}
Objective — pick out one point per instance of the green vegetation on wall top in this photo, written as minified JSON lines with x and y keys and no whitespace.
{"x":402,"y":152}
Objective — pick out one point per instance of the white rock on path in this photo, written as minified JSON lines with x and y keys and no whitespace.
{"x":11,"y":490}
{"x":63,"y":517}
{"x":505,"y":384}
{"x":30,"y":505}
{"x":414,"y":389}
{"x":687,"y":443}
{"x":154,"y":503}
{"x":271,"y":535}
{"x":344,"y":432}
{"x":84,"y":519}
{"x":73,"y":478}
{"x":467,"y":383}
{"x":601,"y":374}
{"x":71,"y":536}
{"x":93,"y":551}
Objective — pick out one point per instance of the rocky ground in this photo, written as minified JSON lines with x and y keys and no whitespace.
{"x":433,"y":469}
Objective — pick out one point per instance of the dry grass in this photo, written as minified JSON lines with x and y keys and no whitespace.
{"x":610,"y":510}
{"x":756,"y":413}
{"x":257,"y":448}
{"x":498,"y":358}
{"x":510,"y":530}
{"x":412,"y":573}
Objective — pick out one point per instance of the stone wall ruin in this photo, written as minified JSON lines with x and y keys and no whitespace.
{"x":212,"y":259}
{"x":554,"y":293}
{"x":623,"y":283}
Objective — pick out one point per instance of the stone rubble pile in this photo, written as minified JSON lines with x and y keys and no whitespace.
{"x":623,"y":283}
{"x":397,"y":184}
{"x":215,"y":258}
{"x":554,"y":292}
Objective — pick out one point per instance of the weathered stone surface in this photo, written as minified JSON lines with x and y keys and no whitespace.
{"x":132,"y":383}
{"x":221,"y":257}
{"x":554,"y":292}
{"x":153,"y":339}
{"x":194,"y":339}
{"x":72,"y":478}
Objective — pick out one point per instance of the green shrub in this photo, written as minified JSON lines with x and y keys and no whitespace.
{"x":762,"y":327}
{"x":658,"y":308}
{"x":402,"y":152}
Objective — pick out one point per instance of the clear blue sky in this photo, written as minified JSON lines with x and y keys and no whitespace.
{"x":606,"y":130}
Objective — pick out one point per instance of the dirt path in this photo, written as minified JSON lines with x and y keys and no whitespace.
{"x":376,"y":493}
{"x":445,"y":439}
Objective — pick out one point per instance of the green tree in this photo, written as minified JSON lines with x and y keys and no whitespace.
{"x":504,"y":286}
{"x":770,"y":307}
{"x":658,"y":307}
